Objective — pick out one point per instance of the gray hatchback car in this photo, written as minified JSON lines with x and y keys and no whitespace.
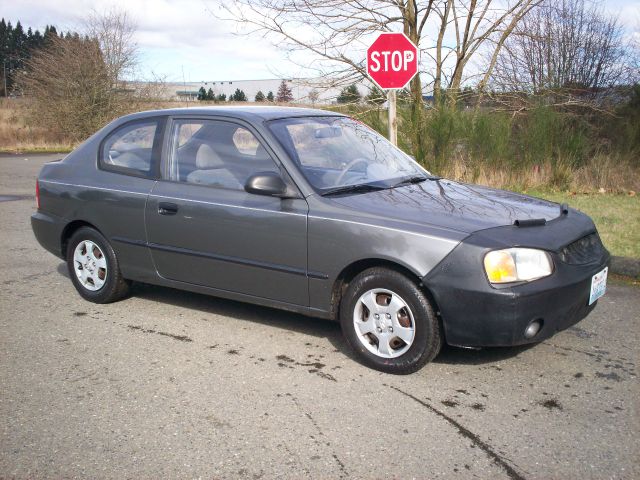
{"x":314,"y":212}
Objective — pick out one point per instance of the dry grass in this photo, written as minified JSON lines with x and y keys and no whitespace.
{"x":17,"y":135}
{"x":600,"y":173}
{"x":20,"y":135}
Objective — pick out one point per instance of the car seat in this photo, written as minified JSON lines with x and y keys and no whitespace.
{"x":210,"y":170}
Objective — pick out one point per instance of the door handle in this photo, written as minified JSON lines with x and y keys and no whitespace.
{"x":166,"y":208}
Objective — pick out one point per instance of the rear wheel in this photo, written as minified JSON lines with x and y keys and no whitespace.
{"x":389,"y":322}
{"x":93,"y":267}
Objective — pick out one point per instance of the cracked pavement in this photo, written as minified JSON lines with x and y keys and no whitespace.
{"x":180,"y":385}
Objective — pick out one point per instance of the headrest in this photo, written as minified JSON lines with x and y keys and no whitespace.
{"x":207,"y":158}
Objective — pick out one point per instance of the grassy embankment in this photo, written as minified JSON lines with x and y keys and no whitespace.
{"x":590,"y":161}
{"x":18,"y":135}
{"x":563,"y":159}
{"x":616,"y":216}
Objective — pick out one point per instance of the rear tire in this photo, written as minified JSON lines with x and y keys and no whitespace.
{"x":389,"y":322}
{"x":93,"y":267}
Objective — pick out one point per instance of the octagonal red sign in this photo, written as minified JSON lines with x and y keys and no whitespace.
{"x":392,"y":60}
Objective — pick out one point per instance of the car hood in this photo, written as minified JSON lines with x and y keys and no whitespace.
{"x":452,"y":205}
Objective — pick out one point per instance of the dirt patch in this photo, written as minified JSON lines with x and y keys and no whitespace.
{"x":551,"y":404}
{"x":181,"y":338}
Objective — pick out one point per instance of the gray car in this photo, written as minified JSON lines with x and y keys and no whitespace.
{"x":314,"y":212}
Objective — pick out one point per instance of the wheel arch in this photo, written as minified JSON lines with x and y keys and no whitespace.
{"x":69,"y":230}
{"x":353,"y":269}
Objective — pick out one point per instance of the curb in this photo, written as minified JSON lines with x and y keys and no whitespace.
{"x":629,"y":267}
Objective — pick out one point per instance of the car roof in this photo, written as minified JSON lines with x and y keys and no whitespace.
{"x":250,"y":113}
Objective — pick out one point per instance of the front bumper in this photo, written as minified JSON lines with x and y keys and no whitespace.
{"x":476,"y":314}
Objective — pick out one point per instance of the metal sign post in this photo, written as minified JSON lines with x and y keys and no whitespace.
{"x":393,"y":120}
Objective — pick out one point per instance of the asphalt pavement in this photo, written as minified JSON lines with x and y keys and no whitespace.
{"x":169,"y":384}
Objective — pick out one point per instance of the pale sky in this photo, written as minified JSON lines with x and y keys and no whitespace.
{"x":176,"y":36}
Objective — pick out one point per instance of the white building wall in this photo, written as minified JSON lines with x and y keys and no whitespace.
{"x":300,"y":89}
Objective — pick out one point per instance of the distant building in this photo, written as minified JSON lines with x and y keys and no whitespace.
{"x":186,"y":95}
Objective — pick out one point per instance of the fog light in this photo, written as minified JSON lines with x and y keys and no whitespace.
{"x":532,"y":329}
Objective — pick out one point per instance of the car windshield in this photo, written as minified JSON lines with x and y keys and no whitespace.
{"x":336,"y":153}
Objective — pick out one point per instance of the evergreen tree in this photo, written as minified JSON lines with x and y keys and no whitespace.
{"x":239,"y":96}
{"x":210,"y":94}
{"x":29,"y":37}
{"x":17,"y":46}
{"x":259,"y":96}
{"x":37,"y":40}
{"x":270,"y":96}
{"x":221,"y":97}
{"x":18,"y":39}
{"x":376,"y":96}
{"x":50,"y":32}
{"x":349,"y":94}
{"x":202,"y":94}
{"x":284,"y":93}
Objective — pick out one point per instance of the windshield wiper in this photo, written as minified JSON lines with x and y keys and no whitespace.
{"x":361,"y":188}
{"x":416,"y":179}
{"x":411,"y":180}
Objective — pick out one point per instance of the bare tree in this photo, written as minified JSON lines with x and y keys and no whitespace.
{"x":77,"y":83}
{"x":565,"y":44}
{"x":337,"y":33}
{"x":313,"y":96}
{"x":114,"y":31}
{"x":69,"y":86}
{"x":634,"y":56}
{"x":475,"y":23}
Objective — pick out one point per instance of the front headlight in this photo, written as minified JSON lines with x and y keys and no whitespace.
{"x":517,"y":265}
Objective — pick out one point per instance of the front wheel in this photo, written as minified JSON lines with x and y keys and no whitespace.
{"x":93,"y":267}
{"x":389,"y":322}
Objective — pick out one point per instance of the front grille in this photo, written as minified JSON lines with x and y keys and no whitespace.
{"x":586,"y":250}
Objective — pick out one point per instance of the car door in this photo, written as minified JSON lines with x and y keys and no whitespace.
{"x":128,"y":166}
{"x":204,"y":229}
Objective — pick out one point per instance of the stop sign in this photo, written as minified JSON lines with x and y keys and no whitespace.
{"x":392,"y":60}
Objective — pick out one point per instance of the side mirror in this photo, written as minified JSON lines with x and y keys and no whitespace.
{"x":266,"y":183}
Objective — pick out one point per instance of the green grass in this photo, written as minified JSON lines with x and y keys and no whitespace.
{"x":36,"y":149}
{"x":617,"y":218}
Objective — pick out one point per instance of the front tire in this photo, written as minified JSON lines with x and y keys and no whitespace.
{"x":389,"y":322}
{"x":93,"y":267}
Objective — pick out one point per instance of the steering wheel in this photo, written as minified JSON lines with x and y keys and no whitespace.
{"x":348,"y":167}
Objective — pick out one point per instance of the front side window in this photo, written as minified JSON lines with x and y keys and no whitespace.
{"x":129,"y":149}
{"x":216,"y":154}
{"x":337,"y":151}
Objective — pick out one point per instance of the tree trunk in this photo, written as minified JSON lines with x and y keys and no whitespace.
{"x":417,"y":108}
{"x":437,"y":83}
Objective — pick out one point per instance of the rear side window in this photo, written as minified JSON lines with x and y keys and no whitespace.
{"x":133,"y":148}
